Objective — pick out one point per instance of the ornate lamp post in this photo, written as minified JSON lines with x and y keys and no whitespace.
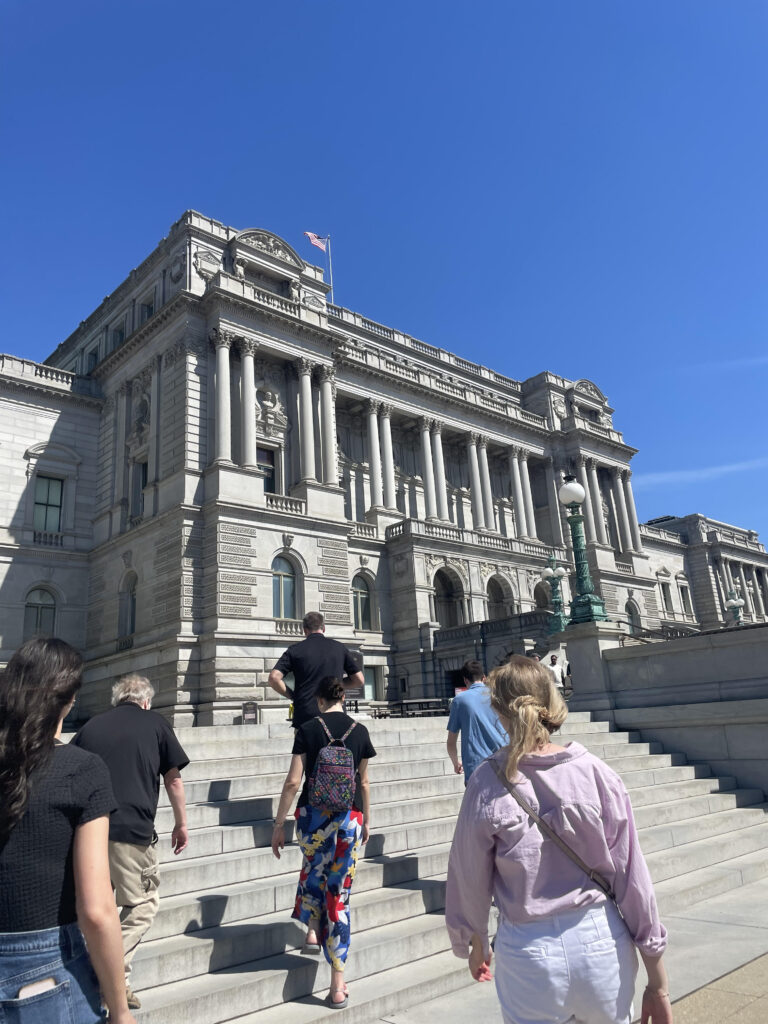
{"x":553,"y":574}
{"x":734,"y":604}
{"x":586,"y":606}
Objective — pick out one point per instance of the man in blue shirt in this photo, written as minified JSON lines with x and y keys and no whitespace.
{"x":472,"y":716}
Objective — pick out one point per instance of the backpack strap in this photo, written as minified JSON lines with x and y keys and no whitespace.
{"x":325,"y":727}
{"x":349,"y":730}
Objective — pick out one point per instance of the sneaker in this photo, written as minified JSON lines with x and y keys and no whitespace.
{"x":134,"y":1003}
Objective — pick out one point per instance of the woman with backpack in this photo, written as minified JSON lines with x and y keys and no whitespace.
{"x":333,"y":819}
{"x":549,"y":832}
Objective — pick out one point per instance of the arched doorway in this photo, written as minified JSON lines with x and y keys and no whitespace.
{"x":542,"y":595}
{"x":449,"y":599}
{"x":499,"y":603}
{"x":633,"y":617}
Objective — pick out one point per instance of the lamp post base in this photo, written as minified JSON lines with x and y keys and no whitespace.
{"x":588,"y":608}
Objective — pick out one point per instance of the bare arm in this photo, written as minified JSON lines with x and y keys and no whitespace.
{"x":657,"y":1008}
{"x":97,"y":915}
{"x":353,"y":681}
{"x":365,"y":792}
{"x":453,"y":752}
{"x":174,"y":787}
{"x":277,"y":683}
{"x":288,"y":795}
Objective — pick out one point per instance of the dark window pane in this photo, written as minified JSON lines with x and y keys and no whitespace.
{"x":289,"y":597}
{"x":276,"y":611}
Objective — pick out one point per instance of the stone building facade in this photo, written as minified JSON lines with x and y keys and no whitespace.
{"x":218,"y":449}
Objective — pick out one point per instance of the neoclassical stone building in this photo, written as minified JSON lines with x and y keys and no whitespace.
{"x":218,"y":449}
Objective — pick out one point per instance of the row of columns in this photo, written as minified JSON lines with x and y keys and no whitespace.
{"x":627,"y":523}
{"x":736,"y":576}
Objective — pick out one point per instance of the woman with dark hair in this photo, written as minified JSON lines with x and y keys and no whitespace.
{"x":55,"y":802}
{"x":333,"y":819}
{"x":567,"y":943}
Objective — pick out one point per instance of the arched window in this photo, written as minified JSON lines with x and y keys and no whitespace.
{"x":497,"y":605}
{"x":449,"y":597}
{"x":361,"y":603}
{"x":633,"y":617}
{"x":39,"y":614}
{"x":127,"y":610}
{"x":542,"y":595}
{"x":283,"y":589}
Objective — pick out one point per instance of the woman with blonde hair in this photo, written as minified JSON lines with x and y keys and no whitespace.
{"x":536,"y":818}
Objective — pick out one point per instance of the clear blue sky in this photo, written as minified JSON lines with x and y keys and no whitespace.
{"x":574,"y":186}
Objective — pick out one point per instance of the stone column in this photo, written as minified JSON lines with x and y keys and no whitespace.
{"x":427,"y":470}
{"x":304,"y":368}
{"x":439,"y":463}
{"x":728,"y":580}
{"x":758,"y":598}
{"x":223,"y":427}
{"x":527,"y":494}
{"x":589,"y":501}
{"x":387,"y":457}
{"x":554,"y":503}
{"x":374,"y":452}
{"x":485,"y":483}
{"x":621,"y":506}
{"x":328,"y":418}
{"x":517,"y":494}
{"x":634,"y":525}
{"x":248,"y":401}
{"x":599,"y":529}
{"x":475,"y":491}
{"x":749,"y":605}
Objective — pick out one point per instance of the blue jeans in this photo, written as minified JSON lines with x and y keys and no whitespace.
{"x":58,"y":953}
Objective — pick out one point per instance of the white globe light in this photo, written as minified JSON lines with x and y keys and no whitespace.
{"x":546,"y":573}
{"x":560,"y":572}
{"x":571,"y":492}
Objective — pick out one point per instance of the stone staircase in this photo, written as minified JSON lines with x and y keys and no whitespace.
{"x":223,"y":946}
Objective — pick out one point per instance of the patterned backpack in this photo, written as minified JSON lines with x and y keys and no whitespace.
{"x":332,"y":782}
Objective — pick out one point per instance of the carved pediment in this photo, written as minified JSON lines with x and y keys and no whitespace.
{"x":586,"y":387}
{"x":270,"y":244}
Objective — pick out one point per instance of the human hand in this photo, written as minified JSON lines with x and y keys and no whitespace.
{"x":656,"y":1008}
{"x":458,"y":767}
{"x":122,"y":1018}
{"x":179,"y":838}
{"x":480,"y":964}
{"x":278,"y":839}
{"x":366,"y":832}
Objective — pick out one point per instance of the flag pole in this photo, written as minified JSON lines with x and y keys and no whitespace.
{"x":330,"y":267}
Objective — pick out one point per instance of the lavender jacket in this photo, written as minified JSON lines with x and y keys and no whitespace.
{"x":498,"y":851}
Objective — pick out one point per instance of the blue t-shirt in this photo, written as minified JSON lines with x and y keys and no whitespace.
{"x":481,"y":732}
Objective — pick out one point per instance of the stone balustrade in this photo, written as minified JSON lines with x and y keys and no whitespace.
{"x":284,"y":503}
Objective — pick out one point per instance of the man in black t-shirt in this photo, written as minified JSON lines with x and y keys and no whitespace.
{"x":138,"y":746}
{"x":311,"y":661}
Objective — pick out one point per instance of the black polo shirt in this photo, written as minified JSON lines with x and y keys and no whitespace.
{"x":137,"y":747}
{"x":311,"y":661}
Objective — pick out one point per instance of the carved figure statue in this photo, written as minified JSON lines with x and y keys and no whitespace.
{"x":294,"y":290}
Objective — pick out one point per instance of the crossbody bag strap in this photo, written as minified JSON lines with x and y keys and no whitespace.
{"x":598,"y":879}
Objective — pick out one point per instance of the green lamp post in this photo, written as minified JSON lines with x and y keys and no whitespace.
{"x":586,"y":606}
{"x":734,"y":604}
{"x":553,"y":574}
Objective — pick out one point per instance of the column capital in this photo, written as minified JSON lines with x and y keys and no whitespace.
{"x":473,"y":439}
{"x":328,"y":373}
{"x":437,"y":427}
{"x":592,"y":465}
{"x":372,"y":406}
{"x":385,"y":410}
{"x":482,"y":441}
{"x":220,"y":338}
{"x":425,"y":423}
{"x":582,"y":460}
{"x":522,"y":454}
{"x":304,"y":367}
{"x":247,"y":346}
{"x":626,"y":474}
{"x":616,"y":472}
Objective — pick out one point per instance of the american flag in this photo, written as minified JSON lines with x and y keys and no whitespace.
{"x":316,"y":240}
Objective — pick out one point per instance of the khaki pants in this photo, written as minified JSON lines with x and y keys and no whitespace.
{"x":134,"y":873}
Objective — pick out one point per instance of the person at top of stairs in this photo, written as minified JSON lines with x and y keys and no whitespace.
{"x":549,"y":832}
{"x":313,"y":659}
{"x":332,"y":821}
{"x":472,"y":716}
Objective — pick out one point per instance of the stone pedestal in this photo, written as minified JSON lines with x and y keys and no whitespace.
{"x":236,"y":485}
{"x":584,"y":644}
{"x":324,"y":501}
{"x":381,"y":518}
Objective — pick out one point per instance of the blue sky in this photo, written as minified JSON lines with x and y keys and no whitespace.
{"x":574,"y":186}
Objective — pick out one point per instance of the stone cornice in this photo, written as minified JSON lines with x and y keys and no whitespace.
{"x":179,"y":303}
{"x":8,"y":383}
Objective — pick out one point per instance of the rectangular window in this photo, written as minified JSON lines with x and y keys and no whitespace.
{"x":370,"y":683}
{"x":92,"y":360}
{"x":48,"y":495}
{"x":685,"y":600}
{"x":146,"y":309}
{"x":666,"y":597}
{"x":265,"y":460}
{"x":118,"y":334}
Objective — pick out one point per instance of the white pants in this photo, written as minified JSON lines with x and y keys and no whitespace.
{"x":574,"y":968}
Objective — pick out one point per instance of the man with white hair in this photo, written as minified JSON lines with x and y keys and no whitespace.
{"x":138,"y":746}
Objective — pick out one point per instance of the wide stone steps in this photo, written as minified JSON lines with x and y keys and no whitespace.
{"x":223,"y":946}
